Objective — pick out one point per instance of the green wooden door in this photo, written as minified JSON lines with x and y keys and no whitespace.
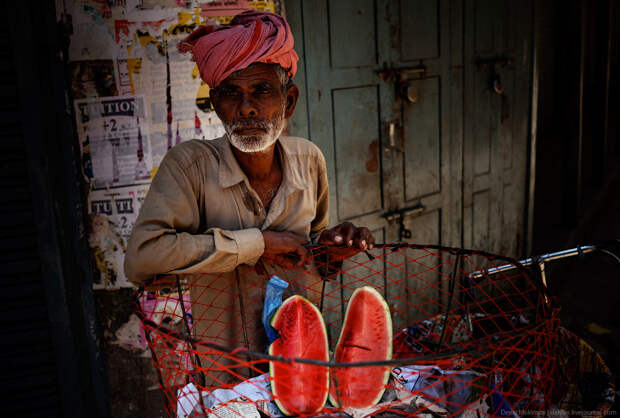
{"x":460,"y":150}
{"x":384,"y":153}
{"x":429,"y":133}
{"x":349,"y":109}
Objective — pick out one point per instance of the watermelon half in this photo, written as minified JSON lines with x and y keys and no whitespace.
{"x":366,"y":336}
{"x":298,"y":388}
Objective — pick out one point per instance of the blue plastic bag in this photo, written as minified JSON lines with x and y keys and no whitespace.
{"x":273,"y":300}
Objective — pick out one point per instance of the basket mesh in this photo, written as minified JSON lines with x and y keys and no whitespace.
{"x":469,"y":339}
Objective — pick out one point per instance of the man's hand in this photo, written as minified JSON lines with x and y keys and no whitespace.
{"x":286,"y":249}
{"x":349,"y":240}
{"x":348,"y":235}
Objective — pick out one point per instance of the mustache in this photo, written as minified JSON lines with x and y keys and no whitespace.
{"x":250,"y":122}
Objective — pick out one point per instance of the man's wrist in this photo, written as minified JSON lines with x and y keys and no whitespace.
{"x":250,"y":245}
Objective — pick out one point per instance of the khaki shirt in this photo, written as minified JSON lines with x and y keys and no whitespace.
{"x":202,"y":216}
{"x":202,"y":219}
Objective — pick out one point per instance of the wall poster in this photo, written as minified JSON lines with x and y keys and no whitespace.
{"x":135,"y":97}
{"x":113,"y":213}
{"x":114,"y":135}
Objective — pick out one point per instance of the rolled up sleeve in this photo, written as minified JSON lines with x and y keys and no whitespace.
{"x":231,"y":248}
{"x":167,"y":239}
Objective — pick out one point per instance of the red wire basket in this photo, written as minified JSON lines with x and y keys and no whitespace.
{"x":472,"y":334}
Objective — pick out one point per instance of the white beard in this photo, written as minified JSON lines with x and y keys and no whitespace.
{"x":255,"y":143}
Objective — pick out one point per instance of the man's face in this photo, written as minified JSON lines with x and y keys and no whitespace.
{"x":253,"y":107}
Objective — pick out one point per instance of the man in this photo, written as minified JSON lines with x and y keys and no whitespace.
{"x":218,"y":208}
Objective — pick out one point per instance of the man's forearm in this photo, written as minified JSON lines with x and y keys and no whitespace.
{"x":166,"y":252}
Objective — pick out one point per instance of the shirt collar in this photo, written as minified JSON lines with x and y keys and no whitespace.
{"x":290,"y":171}
{"x":230,"y":173}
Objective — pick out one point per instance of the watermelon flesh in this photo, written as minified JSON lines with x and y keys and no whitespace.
{"x":298,"y":388}
{"x":366,"y":336}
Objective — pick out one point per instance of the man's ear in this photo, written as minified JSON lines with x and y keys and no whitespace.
{"x":292,"y":94}
{"x":213,"y":99}
{"x":215,"y":102}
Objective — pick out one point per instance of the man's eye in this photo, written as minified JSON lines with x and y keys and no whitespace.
{"x":263,"y":89}
{"x":230,"y":93}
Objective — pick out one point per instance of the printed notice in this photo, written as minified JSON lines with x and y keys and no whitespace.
{"x":114,"y":141}
{"x":112,"y":215}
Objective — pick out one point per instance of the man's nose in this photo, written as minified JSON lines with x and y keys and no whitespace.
{"x":247,"y":107}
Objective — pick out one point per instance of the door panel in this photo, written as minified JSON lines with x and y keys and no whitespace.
{"x":356,"y":139}
{"x":422,"y":142}
{"x":352,"y":33}
{"x":419,"y":21}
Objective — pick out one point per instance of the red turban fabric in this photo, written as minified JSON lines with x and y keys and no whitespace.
{"x":252,"y":36}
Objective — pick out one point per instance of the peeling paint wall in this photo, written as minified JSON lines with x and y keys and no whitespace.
{"x":134,"y":96}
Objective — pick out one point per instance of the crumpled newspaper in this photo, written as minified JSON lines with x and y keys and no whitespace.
{"x":243,"y":399}
{"x":414,"y":388}
{"x":431,"y":383}
{"x":425,"y":388}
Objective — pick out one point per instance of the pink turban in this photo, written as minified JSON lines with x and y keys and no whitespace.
{"x":252,"y":36}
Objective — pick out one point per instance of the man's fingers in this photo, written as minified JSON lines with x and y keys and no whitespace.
{"x":348,"y":232}
{"x":292,"y":260}
{"x":331,"y":237}
{"x":304,"y":256}
{"x":283,"y":261}
{"x":363,"y":238}
{"x":371,"y":242}
{"x":345,"y":233}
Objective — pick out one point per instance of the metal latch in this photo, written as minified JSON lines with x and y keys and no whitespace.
{"x":492,"y":65}
{"x":399,"y":216}
{"x":400,"y":78}
{"x":397,"y":74}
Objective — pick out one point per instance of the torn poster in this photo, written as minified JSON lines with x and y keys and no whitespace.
{"x":114,"y":140}
{"x":149,"y":63}
{"x":224,"y":10}
{"x":123,"y":70}
{"x":217,"y":8}
{"x":92,"y":30}
{"x":113,"y":214}
{"x":93,"y":78}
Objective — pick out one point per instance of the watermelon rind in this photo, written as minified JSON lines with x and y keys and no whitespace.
{"x":372,"y":291}
{"x":279,"y":397}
